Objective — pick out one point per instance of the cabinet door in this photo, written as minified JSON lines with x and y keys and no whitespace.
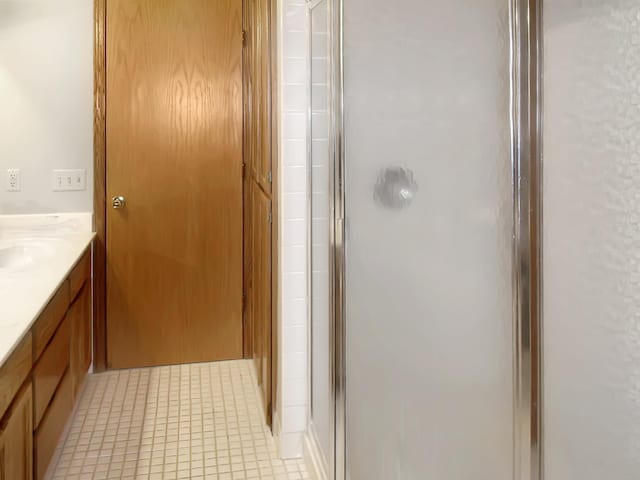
{"x":262,"y":293}
{"x":263,"y":111}
{"x":258,"y":84}
{"x":16,"y":439}
{"x":87,"y":324}
{"x":254,"y":304}
{"x":80,"y":317}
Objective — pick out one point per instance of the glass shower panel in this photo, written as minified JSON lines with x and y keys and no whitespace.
{"x":428,"y":240}
{"x":322,"y":423}
{"x":591,"y":203}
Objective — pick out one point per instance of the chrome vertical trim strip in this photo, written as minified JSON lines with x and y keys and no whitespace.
{"x":339,"y":243}
{"x":311,"y":4}
{"x":537,"y":43}
{"x":525,"y":111}
{"x":309,"y":211}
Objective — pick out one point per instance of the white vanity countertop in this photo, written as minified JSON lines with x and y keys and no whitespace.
{"x":39,"y":252}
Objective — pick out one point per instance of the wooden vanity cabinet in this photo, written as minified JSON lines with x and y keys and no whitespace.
{"x":42,"y":379}
{"x":79,"y":317}
{"x":61,"y":367}
{"x":16,"y":439}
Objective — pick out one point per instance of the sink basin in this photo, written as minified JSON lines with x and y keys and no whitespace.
{"x":25,"y":254}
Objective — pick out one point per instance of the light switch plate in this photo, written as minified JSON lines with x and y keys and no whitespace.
{"x":13,"y":180}
{"x":69,"y":180}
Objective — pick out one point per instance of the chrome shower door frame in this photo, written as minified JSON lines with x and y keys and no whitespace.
{"x":310,"y":6}
{"x":526,"y":51}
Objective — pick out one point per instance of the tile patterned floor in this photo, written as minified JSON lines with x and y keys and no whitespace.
{"x":200,"y":421}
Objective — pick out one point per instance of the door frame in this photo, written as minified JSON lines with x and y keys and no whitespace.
{"x":99,"y":278}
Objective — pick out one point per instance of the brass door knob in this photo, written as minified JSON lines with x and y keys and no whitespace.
{"x":118,"y":202}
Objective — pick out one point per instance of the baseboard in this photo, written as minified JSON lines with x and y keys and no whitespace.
{"x":290,"y":445}
{"x":313,"y":456}
{"x":277,"y":426}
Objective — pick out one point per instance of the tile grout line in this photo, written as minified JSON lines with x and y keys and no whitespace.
{"x":155,"y":416}
{"x":144,"y":414}
{"x":65,"y":441}
{"x":108,"y":416}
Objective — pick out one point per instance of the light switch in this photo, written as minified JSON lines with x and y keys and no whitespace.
{"x":67,"y":180}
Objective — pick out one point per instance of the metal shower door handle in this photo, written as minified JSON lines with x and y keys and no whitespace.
{"x":395,"y":188}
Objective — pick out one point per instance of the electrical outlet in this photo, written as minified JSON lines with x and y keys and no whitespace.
{"x":13,"y":180}
{"x":66,"y":180}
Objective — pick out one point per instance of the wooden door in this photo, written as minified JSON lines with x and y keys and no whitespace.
{"x":174,"y":152}
{"x":16,"y":439}
{"x":259,"y":135}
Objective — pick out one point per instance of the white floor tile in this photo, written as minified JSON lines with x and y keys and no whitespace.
{"x":198,"y":421}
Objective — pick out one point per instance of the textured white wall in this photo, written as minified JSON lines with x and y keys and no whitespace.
{"x":46,"y":101}
{"x":293,"y":376}
{"x":592,"y":239}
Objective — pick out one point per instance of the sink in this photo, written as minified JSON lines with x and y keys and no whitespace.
{"x":25,"y":254}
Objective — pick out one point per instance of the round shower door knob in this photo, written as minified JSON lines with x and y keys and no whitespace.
{"x":395,"y":188}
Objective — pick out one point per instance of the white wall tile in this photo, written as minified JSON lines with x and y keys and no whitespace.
{"x":296,"y":259}
{"x":294,"y":232}
{"x":296,"y":419}
{"x":295,"y":70}
{"x":295,"y":392}
{"x":294,"y":17}
{"x":294,"y":125}
{"x":295,"y":312}
{"x":294,"y":98}
{"x":294,"y":368}
{"x":291,"y":445}
{"x":295,"y":284}
{"x":295,"y":204}
{"x":293,"y":401}
{"x":296,"y":179}
{"x":295,"y":44}
{"x":295,"y":339}
{"x":294,"y":152}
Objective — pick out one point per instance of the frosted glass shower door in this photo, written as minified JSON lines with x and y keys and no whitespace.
{"x":428,"y":192}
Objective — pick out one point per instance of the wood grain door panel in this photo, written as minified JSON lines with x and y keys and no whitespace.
{"x":256,"y":323}
{"x":174,"y":151}
{"x":258,"y":227}
{"x":259,"y":54}
{"x":262,"y":267}
{"x":16,"y":439}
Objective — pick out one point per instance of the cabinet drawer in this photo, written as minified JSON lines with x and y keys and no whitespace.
{"x":16,"y":439}
{"x":80,"y":274}
{"x":52,"y":425}
{"x":49,"y":319}
{"x":14,"y":372}
{"x":50,"y":368}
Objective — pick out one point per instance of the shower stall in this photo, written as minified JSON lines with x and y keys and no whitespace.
{"x":474,"y":239}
